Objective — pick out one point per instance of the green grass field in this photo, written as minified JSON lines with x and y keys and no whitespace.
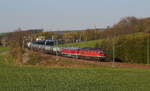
{"x":92,"y":43}
{"x":4,"y":49}
{"x":35,"y":78}
{"x":84,"y":44}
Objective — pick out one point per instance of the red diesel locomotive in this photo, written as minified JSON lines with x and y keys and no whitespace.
{"x":83,"y":52}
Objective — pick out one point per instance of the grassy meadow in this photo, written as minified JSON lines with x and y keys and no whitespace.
{"x":93,"y":43}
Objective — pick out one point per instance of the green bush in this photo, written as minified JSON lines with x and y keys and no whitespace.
{"x":131,"y":49}
{"x":34,"y":58}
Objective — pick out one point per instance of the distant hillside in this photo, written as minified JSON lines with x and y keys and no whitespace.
{"x":3,"y":34}
{"x":65,"y":31}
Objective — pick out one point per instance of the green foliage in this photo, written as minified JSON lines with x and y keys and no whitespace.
{"x":129,"y":48}
{"x":34,"y":58}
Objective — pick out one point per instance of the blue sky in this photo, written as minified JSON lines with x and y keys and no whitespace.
{"x":67,"y":14}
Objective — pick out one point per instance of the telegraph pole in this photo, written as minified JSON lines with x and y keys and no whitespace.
{"x":114,"y":47}
{"x":52,"y":37}
{"x":95,"y":32}
{"x":56,"y":49}
{"x":113,"y":52}
{"x":148,"y":49}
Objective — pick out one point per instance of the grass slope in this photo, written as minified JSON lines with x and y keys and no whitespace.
{"x":93,"y":43}
{"x":4,"y":48}
{"x":13,"y":78}
{"x":84,"y":44}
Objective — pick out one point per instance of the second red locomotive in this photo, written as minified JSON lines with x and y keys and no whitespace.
{"x":83,"y":52}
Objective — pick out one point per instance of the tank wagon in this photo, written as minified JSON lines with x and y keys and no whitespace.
{"x":50,"y":46}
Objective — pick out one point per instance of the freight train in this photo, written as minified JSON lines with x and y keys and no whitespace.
{"x":49,"y":46}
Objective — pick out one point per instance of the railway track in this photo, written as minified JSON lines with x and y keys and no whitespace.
{"x":101,"y":63}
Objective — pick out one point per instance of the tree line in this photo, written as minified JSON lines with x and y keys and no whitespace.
{"x":127,"y":25}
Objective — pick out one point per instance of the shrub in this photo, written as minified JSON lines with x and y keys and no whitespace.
{"x":34,"y":58}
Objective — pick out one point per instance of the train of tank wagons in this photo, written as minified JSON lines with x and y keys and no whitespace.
{"x":50,"y":47}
